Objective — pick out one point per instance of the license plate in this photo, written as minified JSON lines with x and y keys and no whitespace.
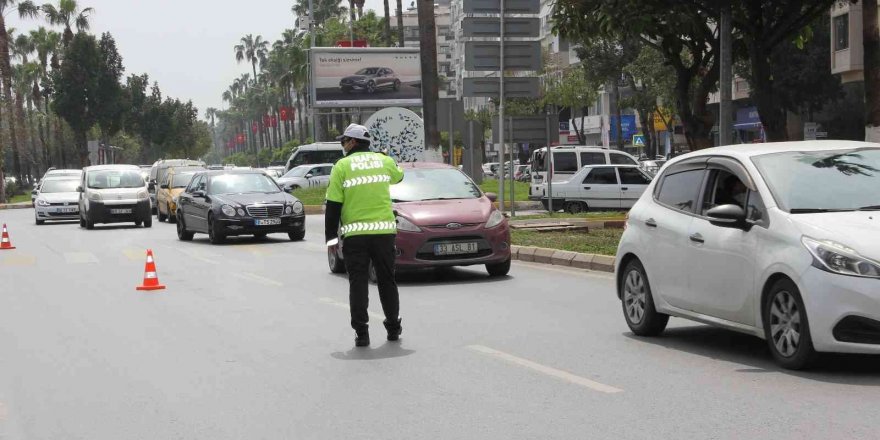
{"x":455,"y":248}
{"x":268,"y":222}
{"x":120,"y":211}
{"x":68,"y":210}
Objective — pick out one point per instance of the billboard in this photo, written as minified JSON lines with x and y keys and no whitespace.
{"x":367,"y":77}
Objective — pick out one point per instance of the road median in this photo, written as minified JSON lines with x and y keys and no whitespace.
{"x":24,"y":205}
{"x":556,"y":257}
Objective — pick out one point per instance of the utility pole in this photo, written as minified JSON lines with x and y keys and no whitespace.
{"x":430,"y":87}
{"x":501,"y":115}
{"x":725,"y":114}
{"x":311,"y":78}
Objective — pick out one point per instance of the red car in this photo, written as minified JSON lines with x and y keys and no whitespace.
{"x":443,"y":219}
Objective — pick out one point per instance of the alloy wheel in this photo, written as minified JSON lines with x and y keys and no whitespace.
{"x":634,"y":294}
{"x":785,"y":323}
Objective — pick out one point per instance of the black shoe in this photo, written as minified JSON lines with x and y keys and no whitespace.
{"x":394,"y":330}
{"x":362,"y":340}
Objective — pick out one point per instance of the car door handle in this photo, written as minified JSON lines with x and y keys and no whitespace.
{"x":587,"y":188}
{"x":697,"y":238}
{"x":651,"y":223}
{"x":624,"y":188}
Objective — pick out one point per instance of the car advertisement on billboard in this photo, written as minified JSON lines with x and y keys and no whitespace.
{"x":367,"y":77}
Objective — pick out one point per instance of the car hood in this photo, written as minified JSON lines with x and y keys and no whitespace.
{"x":356,"y":77}
{"x":60,"y":197}
{"x":255,"y":199}
{"x":442,"y":212}
{"x":859,"y":230}
{"x":288,"y":180}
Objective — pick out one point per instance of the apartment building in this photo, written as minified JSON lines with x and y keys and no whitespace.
{"x":847,"y":54}
{"x":445,"y":42}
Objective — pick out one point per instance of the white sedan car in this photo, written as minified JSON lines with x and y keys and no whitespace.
{"x":58,"y":199}
{"x":306,"y":176}
{"x":778,"y":240}
{"x":600,"y":187}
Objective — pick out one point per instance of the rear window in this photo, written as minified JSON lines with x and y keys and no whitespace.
{"x":681,"y":190}
{"x":592,"y":159}
{"x":565,"y":162}
{"x":622,"y":159}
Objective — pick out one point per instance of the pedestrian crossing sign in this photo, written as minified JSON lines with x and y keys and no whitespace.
{"x":638,"y":140}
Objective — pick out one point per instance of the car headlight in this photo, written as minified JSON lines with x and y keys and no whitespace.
{"x":837,"y":258}
{"x":298,"y":208}
{"x":495,"y":219}
{"x":288,"y":209}
{"x":42,"y":202}
{"x":143,"y":195}
{"x":240,"y":212}
{"x":228,"y":210}
{"x":95,"y":197}
{"x":405,"y":225}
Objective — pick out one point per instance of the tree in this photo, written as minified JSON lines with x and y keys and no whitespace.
{"x":682,"y":31}
{"x":571,"y":89}
{"x":324,"y":10}
{"x":252,"y":49}
{"x":653,"y":84}
{"x":386,"y":25}
{"x":69,"y":15}
{"x":109,"y":109}
{"x":46,"y":44}
{"x":78,"y":88}
{"x":871,"y":43}
{"x":400,"y":23}
{"x":211,"y":115}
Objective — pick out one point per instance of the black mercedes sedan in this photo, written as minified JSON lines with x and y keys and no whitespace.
{"x":237,"y":202}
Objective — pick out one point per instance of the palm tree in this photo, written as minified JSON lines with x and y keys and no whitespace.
{"x":324,"y":10}
{"x":68,"y":14}
{"x":211,"y":113}
{"x":252,"y":49}
{"x":22,"y":47}
{"x":387,"y":26}
{"x":25,"y":9}
{"x":399,"y":23}
{"x":46,"y":44}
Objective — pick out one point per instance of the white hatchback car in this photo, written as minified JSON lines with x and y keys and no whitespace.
{"x":778,"y":240}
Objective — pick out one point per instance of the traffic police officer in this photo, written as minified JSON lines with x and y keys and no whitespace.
{"x":359,"y":198}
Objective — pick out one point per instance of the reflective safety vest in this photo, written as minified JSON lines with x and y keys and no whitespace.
{"x":361,"y":182}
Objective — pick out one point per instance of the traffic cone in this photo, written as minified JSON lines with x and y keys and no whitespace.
{"x":5,"y":244}
{"x":151,"y":279}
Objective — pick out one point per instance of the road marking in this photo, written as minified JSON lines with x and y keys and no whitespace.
{"x":254,"y":249}
{"x":333,"y":302}
{"x":19,"y":260}
{"x":135,"y":254}
{"x":80,"y":258}
{"x":197,"y":255}
{"x":543,"y":369}
{"x":254,"y":277}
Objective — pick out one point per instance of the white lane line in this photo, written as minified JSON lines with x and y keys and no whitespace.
{"x":342,"y":305}
{"x":254,"y":277}
{"x":18,"y":260}
{"x":195,"y":255}
{"x":135,"y":254}
{"x":543,"y":369}
{"x":80,"y":258}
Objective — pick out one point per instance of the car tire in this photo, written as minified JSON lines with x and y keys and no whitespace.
{"x":39,"y":222}
{"x":575,"y":207}
{"x":213,"y":235}
{"x":297,"y":235}
{"x":786,"y":326}
{"x":138,"y":223}
{"x":182,"y":233}
{"x":148,"y":221}
{"x":371,"y":87}
{"x":172,"y":217}
{"x":337,"y":265}
{"x":159,"y":216}
{"x":260,"y":235}
{"x":89,"y":223}
{"x":638,"y":302}
{"x":346,"y":90}
{"x":82,"y":221}
{"x":498,"y":269}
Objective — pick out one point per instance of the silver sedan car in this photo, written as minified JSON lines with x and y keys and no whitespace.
{"x":58,"y":199}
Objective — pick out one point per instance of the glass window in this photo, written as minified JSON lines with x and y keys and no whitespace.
{"x":104,"y":179}
{"x":299,"y":171}
{"x":633,"y":176}
{"x":592,"y":159}
{"x":181,"y":180}
{"x":328,"y":156}
{"x":724,"y":189}
{"x":841,"y":32}
{"x":194,"y":184}
{"x":434,"y":184}
{"x":622,"y":159}
{"x":59,"y":186}
{"x":565,"y":162}
{"x":243,"y":183}
{"x":822,"y":180}
{"x":755,"y":210}
{"x":601,"y":176}
{"x":681,"y":190}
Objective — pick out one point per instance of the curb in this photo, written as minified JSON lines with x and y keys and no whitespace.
{"x":555,"y":257}
{"x":591,"y":224}
{"x":24,"y":205}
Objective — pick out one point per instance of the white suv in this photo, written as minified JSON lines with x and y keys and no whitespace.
{"x":779,"y":240}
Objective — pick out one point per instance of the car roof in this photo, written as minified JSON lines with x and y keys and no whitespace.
{"x":319,"y":145}
{"x":212,"y":173}
{"x":746,"y":151}
{"x":112,"y":167}
{"x":426,"y":166}
{"x":62,"y":177}
{"x":69,"y":171}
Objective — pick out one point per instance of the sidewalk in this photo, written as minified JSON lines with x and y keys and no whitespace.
{"x":25,"y":205}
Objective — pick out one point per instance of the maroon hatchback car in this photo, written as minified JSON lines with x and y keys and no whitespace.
{"x":443,"y":219}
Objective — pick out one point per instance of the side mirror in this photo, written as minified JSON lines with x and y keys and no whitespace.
{"x":309,"y":176}
{"x":727,"y":216}
{"x":165,"y":186}
{"x":492,"y":197}
{"x":199,"y":193}
{"x":79,"y":189}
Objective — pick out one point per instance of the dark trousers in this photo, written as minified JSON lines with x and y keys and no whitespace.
{"x":357,"y":252}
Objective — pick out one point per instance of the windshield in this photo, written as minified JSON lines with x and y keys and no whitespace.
{"x":59,"y":186}
{"x":242,"y":183}
{"x":823,"y":180}
{"x":181,"y":180}
{"x":367,"y":71}
{"x":298,"y":172}
{"x":434,"y":184}
{"x":104,"y":179}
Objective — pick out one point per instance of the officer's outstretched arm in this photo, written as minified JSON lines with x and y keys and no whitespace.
{"x":335,"y":198}
{"x":394,"y":171}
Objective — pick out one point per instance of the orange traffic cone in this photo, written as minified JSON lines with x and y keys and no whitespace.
{"x":151,"y":280}
{"x":4,"y":242}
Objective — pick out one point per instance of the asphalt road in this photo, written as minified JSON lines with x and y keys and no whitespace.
{"x":406,"y":91}
{"x":251,"y":341}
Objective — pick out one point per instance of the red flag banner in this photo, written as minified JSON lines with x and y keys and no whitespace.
{"x":273,"y":122}
{"x":240,"y":138}
{"x":284,"y":113}
{"x":266,"y":120}
{"x":255,"y":127}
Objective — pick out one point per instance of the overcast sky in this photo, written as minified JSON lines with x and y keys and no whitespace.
{"x":186,"y":45}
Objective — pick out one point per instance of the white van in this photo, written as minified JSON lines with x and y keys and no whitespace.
{"x":113,"y":194}
{"x":567,"y":161}
{"x":314,"y":154}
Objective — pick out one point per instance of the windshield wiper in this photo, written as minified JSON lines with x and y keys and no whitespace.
{"x":870,"y":208}
{"x":441,"y":198}
{"x":817,"y":210}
